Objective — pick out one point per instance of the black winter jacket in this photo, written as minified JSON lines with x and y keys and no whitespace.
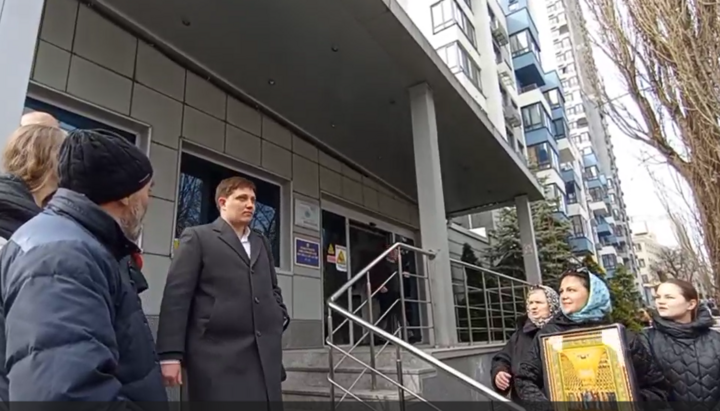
{"x":74,"y":325}
{"x":689,"y":355}
{"x":529,"y":379}
{"x":508,"y":359}
{"x":17,"y":205}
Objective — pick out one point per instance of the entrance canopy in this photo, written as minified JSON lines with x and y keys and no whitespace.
{"x":339,"y":71}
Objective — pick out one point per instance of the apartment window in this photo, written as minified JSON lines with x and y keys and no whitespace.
{"x":645,"y":279}
{"x":522,"y":43}
{"x":535,"y":117}
{"x":513,"y":5}
{"x":458,"y":59}
{"x":578,"y":226}
{"x":573,"y":193}
{"x":638,"y":247}
{"x":641,"y":262}
{"x":553,"y":193}
{"x":559,"y":128}
{"x":196,"y":199}
{"x":590,"y":173}
{"x":609,"y":261}
{"x":581,"y":138}
{"x":596,"y":194}
{"x":554,"y":98}
{"x":448,"y":13}
{"x":575,"y":109}
{"x":566,"y":43}
{"x":542,"y":157}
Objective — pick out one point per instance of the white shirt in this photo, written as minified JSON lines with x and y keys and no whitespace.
{"x":245,"y":241}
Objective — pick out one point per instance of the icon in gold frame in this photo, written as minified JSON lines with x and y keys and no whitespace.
{"x":589,"y":368}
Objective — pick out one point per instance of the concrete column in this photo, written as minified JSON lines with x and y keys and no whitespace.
{"x":19,"y":26}
{"x":433,"y":227}
{"x":527,"y":239}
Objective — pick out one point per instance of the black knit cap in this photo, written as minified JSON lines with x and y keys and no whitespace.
{"x":102,"y":165}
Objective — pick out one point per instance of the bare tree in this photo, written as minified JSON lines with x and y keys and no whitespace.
{"x":672,"y":262}
{"x":666,"y":54}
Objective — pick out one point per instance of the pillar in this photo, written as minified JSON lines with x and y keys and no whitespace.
{"x":527,"y":239}
{"x":19,"y":26}
{"x":431,"y":204}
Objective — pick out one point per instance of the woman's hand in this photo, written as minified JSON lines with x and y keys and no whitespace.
{"x":502,"y":380}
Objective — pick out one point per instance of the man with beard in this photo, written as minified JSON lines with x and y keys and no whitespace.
{"x":74,"y":326}
{"x":222,"y":314}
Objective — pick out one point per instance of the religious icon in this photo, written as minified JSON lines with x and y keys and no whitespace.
{"x":588,"y":369}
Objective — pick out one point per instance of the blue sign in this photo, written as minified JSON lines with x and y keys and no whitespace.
{"x":307,"y":253}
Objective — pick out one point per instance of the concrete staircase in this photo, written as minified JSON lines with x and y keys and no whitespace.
{"x":307,"y":377}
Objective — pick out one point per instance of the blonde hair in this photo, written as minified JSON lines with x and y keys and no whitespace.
{"x":31,"y":154}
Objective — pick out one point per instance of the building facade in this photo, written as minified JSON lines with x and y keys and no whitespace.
{"x":647,"y":249}
{"x":355,"y":132}
{"x":606,"y":223}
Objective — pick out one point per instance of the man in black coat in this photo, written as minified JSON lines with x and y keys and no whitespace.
{"x":74,"y":325}
{"x":222,"y":314}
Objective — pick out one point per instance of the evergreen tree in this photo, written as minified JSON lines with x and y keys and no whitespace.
{"x":626,"y":299}
{"x":551,"y":235}
{"x":592,"y":265}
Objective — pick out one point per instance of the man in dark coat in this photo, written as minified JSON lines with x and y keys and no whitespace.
{"x":222,"y":314}
{"x":74,"y":325}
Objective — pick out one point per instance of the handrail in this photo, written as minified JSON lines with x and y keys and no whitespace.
{"x":425,"y":357}
{"x":375,"y":262}
{"x":495,"y":273}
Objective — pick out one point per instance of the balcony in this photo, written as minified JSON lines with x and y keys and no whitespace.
{"x":567,"y":150}
{"x":538,"y":136}
{"x":599,"y":182}
{"x":598,"y":207}
{"x":569,"y":175}
{"x":499,"y":32}
{"x":604,"y":229}
{"x":528,"y":68}
{"x":590,"y":159}
{"x":512,"y":114}
{"x":582,"y":246}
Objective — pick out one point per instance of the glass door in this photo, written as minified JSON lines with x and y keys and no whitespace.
{"x":335,"y":270}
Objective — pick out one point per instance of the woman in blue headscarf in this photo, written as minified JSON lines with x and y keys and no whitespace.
{"x":585,"y":303}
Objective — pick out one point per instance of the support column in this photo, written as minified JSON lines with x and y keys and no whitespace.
{"x":19,"y":27}
{"x":431,"y":201}
{"x":527,"y":239}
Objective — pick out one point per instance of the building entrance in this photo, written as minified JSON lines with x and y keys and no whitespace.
{"x":348,"y":247}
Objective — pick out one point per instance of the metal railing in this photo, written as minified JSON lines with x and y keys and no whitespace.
{"x":487,"y":303}
{"x":394,"y":336}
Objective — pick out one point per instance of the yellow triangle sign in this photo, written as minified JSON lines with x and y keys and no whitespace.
{"x":331,"y":250}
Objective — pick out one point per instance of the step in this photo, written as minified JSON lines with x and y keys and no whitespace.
{"x":319,"y":358}
{"x":347,"y":376}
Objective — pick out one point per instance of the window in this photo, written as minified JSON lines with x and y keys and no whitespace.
{"x":590,"y":173}
{"x":609,"y":261}
{"x":578,"y":226}
{"x":581,"y":138}
{"x":458,"y":60}
{"x":553,"y":193}
{"x":513,"y":5}
{"x":554,"y":98}
{"x":535,"y":117}
{"x":645,"y":279}
{"x":448,"y":13}
{"x":575,"y":109}
{"x":196,"y":199}
{"x":638,"y":247}
{"x":573,"y":193}
{"x":70,"y":121}
{"x":597,"y":194}
{"x":559,"y":128}
{"x":641,"y":262}
{"x":522,"y":43}
{"x":542,"y":156}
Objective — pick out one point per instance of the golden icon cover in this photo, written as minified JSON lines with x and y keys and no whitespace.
{"x":589,"y":368}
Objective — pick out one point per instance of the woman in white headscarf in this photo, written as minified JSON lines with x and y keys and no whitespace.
{"x":542,"y":304}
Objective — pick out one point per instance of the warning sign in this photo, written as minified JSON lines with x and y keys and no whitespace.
{"x":341,"y":259}
{"x":331,"y":254}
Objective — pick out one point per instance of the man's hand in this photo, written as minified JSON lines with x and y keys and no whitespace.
{"x":172,"y":373}
{"x":502,"y":380}
{"x":383,"y":290}
{"x":406,"y":274}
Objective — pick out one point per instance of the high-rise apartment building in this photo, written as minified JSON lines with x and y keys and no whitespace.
{"x":547,"y":117}
{"x":589,"y":132}
{"x":648,"y":251}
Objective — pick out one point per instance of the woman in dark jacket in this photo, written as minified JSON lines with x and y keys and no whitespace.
{"x":542,"y":304}
{"x":585,"y":303}
{"x":30,"y":163}
{"x":684,"y":344}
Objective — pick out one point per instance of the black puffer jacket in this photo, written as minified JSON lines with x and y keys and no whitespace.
{"x":529,"y":379}
{"x":508,"y":359}
{"x":689,"y":355}
{"x":17,"y":205}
